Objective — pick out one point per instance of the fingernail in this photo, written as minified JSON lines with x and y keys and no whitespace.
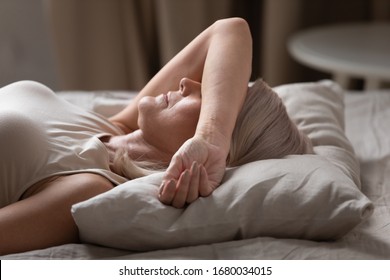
{"x":161,"y":188}
{"x":194,"y":166}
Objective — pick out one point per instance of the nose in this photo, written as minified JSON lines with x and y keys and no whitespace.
{"x":188,"y":86}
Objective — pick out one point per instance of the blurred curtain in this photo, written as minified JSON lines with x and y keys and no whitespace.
{"x":121,"y":44}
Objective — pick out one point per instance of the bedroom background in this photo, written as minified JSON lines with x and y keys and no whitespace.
{"x":89,"y":45}
{"x":121,"y":44}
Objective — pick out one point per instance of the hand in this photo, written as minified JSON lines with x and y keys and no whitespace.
{"x":196,"y":169}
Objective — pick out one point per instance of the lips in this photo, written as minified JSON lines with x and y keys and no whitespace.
{"x":166,"y":98}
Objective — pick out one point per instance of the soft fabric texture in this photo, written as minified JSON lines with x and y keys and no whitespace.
{"x":42,"y":136}
{"x":313,"y":197}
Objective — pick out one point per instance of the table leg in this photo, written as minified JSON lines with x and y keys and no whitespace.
{"x":371,"y":83}
{"x":342,"y":79}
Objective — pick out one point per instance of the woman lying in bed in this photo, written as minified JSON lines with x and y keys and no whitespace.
{"x":194,"y":118}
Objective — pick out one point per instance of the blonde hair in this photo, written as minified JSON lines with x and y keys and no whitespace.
{"x":263,"y":130}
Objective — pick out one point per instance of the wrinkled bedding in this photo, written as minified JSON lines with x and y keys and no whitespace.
{"x":366,"y":120}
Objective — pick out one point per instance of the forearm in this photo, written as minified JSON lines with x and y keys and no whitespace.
{"x":225,"y":55}
{"x":226,"y":73}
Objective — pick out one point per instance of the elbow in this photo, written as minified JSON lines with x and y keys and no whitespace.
{"x":235,"y":25}
{"x":237,"y":31}
{"x":234,"y":22}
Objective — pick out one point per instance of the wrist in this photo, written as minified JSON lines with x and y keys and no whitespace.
{"x":214,"y":136}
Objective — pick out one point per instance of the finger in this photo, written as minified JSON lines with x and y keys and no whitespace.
{"x":193,"y":190}
{"x":175,"y":168}
{"x":181,"y":190}
{"x":167,"y":192}
{"x":204,"y":187}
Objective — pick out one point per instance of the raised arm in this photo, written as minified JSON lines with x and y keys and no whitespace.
{"x":199,"y":165}
{"x":220,"y":58}
{"x":227,"y":70}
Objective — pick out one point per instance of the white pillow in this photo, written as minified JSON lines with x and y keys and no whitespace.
{"x":313,"y":197}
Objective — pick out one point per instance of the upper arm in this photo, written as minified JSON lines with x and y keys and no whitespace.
{"x":43,"y":219}
{"x":204,"y":60}
{"x":187,"y":63}
{"x":127,"y":118}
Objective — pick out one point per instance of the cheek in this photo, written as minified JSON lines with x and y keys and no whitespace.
{"x":179,"y":125}
{"x":184,"y":125}
{"x":168,"y":127}
{"x":187,"y":118}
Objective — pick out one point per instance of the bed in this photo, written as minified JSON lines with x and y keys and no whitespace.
{"x":356,"y":226}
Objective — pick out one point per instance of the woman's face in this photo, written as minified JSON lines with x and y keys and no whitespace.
{"x":169,"y":119}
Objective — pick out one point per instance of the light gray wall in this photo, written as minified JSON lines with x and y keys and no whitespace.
{"x":25,"y":48}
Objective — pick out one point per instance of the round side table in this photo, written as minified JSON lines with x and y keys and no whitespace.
{"x":356,"y":50}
